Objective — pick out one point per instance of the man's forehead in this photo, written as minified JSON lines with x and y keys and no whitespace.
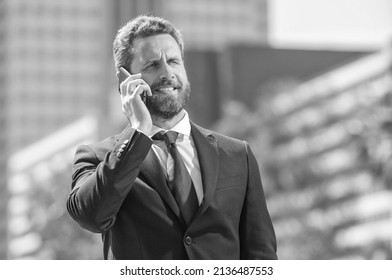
{"x":153,"y":46}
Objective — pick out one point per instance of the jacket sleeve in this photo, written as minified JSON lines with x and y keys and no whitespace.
{"x":99,"y":186}
{"x":257,"y":235}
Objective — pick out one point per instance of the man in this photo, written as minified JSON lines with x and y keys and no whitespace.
{"x":184,"y":194}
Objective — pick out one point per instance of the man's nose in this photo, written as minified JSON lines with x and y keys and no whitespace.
{"x":166,"y":72}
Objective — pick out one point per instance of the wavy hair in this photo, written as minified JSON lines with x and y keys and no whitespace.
{"x":141,"y":27}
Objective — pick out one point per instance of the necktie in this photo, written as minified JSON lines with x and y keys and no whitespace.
{"x":182,"y":186}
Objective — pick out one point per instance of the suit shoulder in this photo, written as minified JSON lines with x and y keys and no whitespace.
{"x":227,"y":139}
{"x":224,"y":140}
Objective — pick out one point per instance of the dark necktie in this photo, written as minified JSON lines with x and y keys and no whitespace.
{"x":181,"y":186}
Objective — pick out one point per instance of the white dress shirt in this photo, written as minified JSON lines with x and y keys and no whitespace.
{"x":187,"y":150}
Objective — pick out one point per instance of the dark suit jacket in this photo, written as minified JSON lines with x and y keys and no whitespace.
{"x":124,"y":196}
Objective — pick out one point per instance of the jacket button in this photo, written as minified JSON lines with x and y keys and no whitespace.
{"x":188,"y":240}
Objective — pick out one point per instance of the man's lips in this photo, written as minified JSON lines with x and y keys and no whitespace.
{"x":165,"y":89}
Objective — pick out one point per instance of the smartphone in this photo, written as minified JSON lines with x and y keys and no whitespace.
{"x":122,"y":76}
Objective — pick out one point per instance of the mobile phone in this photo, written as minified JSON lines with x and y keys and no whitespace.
{"x":121,"y":78}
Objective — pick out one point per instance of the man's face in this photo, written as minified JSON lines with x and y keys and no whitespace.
{"x":158,"y":59}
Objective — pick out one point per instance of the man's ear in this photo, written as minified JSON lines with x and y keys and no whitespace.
{"x":118,"y":75}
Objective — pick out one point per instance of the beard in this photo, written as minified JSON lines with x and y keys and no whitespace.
{"x":166,"y":106}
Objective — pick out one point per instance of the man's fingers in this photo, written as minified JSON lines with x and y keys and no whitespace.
{"x":125,"y":75}
{"x":126,"y":78}
{"x":130,"y":100}
{"x":130,"y":86}
{"x":133,"y":77}
{"x":140,"y":89}
{"x":144,"y":87}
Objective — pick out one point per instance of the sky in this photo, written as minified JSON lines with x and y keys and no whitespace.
{"x":331,"y":24}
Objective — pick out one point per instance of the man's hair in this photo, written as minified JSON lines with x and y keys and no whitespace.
{"x":141,"y":27}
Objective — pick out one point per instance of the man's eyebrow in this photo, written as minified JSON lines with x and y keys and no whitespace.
{"x":169,"y":57}
{"x":174,"y":57}
{"x":149,"y":61}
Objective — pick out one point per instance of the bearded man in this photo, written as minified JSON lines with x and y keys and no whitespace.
{"x":166,"y":188}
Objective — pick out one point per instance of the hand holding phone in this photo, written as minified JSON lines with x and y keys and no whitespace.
{"x":124,"y":75}
{"x":133,"y":106}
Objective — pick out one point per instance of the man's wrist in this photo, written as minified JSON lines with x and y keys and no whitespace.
{"x":144,"y":129}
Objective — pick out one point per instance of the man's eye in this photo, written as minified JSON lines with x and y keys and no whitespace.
{"x":151,"y":66}
{"x":174,"y":61}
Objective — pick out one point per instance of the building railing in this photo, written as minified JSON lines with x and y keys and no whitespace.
{"x":38,"y":180}
{"x":330,"y":156}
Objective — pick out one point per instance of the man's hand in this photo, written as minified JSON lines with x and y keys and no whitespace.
{"x":132,"y":104}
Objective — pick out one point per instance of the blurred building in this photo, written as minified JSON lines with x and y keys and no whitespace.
{"x":205,"y":24}
{"x":55,"y":64}
{"x":328,"y":156}
{"x":3,"y":139}
{"x":215,"y":24}
{"x":53,"y":72}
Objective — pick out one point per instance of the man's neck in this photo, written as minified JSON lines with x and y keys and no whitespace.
{"x":168,"y":124}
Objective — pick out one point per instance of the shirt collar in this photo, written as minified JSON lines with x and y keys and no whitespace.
{"x":182,"y":127}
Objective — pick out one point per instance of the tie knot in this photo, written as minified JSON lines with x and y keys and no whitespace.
{"x":169,"y":137}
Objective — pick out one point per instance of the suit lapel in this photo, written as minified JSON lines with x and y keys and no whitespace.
{"x":151,"y":171}
{"x":207,"y":150}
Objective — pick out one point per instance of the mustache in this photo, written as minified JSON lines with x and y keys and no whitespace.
{"x":169,"y":83}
